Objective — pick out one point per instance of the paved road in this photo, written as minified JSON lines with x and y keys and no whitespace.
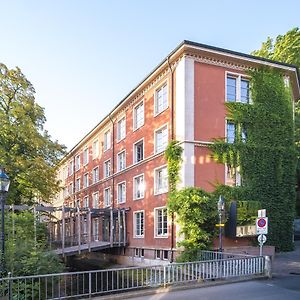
{"x":285,"y":285}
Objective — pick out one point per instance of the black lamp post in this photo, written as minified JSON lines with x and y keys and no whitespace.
{"x":4,"y":186}
{"x":221,"y":208}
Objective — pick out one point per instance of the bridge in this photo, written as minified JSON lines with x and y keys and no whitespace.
{"x":74,"y":230}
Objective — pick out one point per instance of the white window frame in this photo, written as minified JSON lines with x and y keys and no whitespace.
{"x":156,"y":112}
{"x":157,"y":254}
{"x":235,"y":129}
{"x":105,"y":202}
{"x":156,"y":234}
{"x":94,"y":195}
{"x":71,"y":167}
{"x":135,"y":125}
{"x":239,"y":77}
{"x":77,"y":162}
{"x":77,"y":186}
{"x":95,"y":148}
{"x":156,"y":190}
{"x":95,"y":180}
{"x":85,"y":156}
{"x":71,"y":188}
{"x":165,"y":126}
{"x":118,"y":194}
{"x":119,"y":136}
{"x":134,"y":153}
{"x":85,"y":183}
{"x":165,"y":251}
{"x":86,"y":202}
{"x":134,"y":187}
{"x":106,"y":140}
{"x":118,"y":160}
{"x":135,"y":235}
{"x":105,"y":175}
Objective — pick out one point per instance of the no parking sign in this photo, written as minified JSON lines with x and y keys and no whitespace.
{"x":262,"y":225}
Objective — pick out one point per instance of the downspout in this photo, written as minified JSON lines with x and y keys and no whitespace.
{"x":172,"y":138}
{"x":113,"y":160}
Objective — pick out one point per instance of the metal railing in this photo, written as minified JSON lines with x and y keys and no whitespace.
{"x":90,"y":283}
{"x":204,"y":255}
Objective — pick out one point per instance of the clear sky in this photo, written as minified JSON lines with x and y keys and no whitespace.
{"x":84,"y":56}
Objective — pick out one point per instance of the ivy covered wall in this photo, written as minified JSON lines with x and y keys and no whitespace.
{"x":267,"y":159}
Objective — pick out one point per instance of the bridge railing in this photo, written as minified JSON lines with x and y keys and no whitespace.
{"x":101,"y":282}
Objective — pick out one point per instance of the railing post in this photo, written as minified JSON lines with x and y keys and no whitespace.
{"x":90,"y":285}
{"x":267,"y":266}
{"x":9,"y":286}
{"x":165,"y":276}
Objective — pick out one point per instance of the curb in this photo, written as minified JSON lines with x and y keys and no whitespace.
{"x":173,"y":288}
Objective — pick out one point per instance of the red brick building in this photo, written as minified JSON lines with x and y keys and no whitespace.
{"x":120,"y":163}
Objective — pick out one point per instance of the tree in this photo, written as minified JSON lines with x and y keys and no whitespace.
{"x":26,"y":149}
{"x":286,"y":48}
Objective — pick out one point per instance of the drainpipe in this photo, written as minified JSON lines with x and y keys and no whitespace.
{"x":113,"y":160}
{"x":172,"y":138}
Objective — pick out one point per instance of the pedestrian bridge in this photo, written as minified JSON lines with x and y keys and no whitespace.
{"x":74,"y":230}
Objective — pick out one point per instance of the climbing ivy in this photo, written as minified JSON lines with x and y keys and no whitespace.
{"x":267,"y":160}
{"x":195,"y":209}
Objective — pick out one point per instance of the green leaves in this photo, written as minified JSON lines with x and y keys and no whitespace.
{"x":26,"y":149}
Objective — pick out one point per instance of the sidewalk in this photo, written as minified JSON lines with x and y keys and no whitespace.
{"x":287,"y":263}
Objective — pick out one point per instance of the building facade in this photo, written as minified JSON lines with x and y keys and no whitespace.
{"x":121,"y":163}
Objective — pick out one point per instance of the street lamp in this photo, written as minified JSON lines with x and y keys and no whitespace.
{"x":4,"y":186}
{"x":221,"y":208}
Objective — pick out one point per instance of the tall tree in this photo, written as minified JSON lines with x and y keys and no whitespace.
{"x":286,"y":48}
{"x":26,"y":149}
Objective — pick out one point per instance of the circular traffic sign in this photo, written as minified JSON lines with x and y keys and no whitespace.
{"x":261,"y":222}
{"x":262,"y":238}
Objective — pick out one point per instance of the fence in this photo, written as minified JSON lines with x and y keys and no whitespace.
{"x":86,"y":284}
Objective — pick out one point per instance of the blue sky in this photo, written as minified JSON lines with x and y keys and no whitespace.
{"x":84,"y":56}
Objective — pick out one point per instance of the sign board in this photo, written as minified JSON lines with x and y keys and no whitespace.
{"x":262,"y":225}
{"x":261,"y":213}
{"x":262,"y":238}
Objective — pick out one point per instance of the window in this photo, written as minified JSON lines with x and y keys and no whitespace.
{"x":138,"y":187}
{"x":86,"y":202}
{"x":243,"y":134}
{"x":77,"y":162}
{"x":139,"y":252}
{"x":96,"y":200}
{"x":138,"y":151}
{"x":95,"y":149}
{"x":121,"y":160}
{"x":161,"y":139}
{"x":138,"y":116}
{"x":86,"y":180}
{"x":245,"y":91}
{"x":121,"y":129}
{"x":65,"y":192}
{"x":157,"y":254}
{"x":233,"y":176}
{"x":161,"y":99}
{"x":237,"y":89}
{"x":121,"y":192}
{"x":85,"y":156}
{"x":71,"y":188}
{"x":138,"y":224}
{"x":96,"y":229}
{"x":230,"y":132}
{"x":161,"y":222}
{"x":71,"y":167}
{"x":161,"y":180}
{"x":107,"y":140}
{"x":107,"y":197}
{"x":107,"y":165}
{"x":95,"y":174}
{"x":165,"y":254}
{"x":77,"y":185}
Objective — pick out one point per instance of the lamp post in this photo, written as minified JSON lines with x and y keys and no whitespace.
{"x":4,"y":186}
{"x":221,"y":208}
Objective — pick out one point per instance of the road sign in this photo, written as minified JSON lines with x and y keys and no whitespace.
{"x":262,"y":225}
{"x":262,"y":238}
{"x":261,"y":213}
